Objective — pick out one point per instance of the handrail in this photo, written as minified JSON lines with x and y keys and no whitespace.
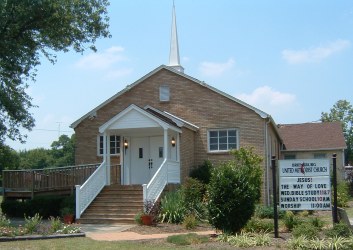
{"x":47,"y":178}
{"x":86,"y":193}
{"x":154,"y":188}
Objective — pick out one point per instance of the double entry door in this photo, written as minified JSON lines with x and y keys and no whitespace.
{"x":146,"y":157}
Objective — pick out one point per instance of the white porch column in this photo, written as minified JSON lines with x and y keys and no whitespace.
{"x":177,"y":158}
{"x":108,"y":157}
{"x":166,"y":142}
{"x":165,"y":148}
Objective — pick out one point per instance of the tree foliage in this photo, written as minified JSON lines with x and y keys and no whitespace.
{"x":30,"y":29}
{"x":61,"y":154}
{"x":342,"y":111}
{"x":233,"y":191}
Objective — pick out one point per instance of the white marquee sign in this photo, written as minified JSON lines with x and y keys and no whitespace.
{"x":305,"y":184}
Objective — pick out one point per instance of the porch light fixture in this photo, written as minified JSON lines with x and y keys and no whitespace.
{"x":126,"y":144}
{"x":173,"y":141}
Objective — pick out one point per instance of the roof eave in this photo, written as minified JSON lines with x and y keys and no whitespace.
{"x":313,"y":149}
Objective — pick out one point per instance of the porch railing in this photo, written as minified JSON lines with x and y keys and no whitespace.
{"x":168,"y":172}
{"x":36,"y":180}
{"x":86,"y":193}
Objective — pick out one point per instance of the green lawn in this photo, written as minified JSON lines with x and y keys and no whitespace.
{"x":81,"y":243}
{"x":86,"y":243}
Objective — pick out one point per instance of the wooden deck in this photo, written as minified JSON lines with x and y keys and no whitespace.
{"x":24,"y":184}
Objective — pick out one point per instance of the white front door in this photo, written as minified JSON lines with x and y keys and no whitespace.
{"x":146,"y":157}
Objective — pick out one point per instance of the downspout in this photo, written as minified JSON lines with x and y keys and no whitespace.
{"x":267,"y":161}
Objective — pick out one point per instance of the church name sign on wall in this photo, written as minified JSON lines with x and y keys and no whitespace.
{"x":304,"y":184}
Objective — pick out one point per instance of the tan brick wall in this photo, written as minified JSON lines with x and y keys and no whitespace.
{"x":187,"y":152}
{"x":191,"y":102}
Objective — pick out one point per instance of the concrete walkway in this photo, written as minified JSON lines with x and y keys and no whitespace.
{"x":115,"y":233}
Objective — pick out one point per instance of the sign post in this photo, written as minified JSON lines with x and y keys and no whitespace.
{"x":305,"y":184}
{"x":274,"y":188}
{"x":334,"y":177}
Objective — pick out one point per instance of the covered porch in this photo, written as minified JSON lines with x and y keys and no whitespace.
{"x":149,"y":154}
{"x":148,"y":141}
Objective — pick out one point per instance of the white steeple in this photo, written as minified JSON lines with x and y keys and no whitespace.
{"x":174,"y":59}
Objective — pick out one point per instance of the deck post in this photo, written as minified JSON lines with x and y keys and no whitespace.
{"x":32,"y":188}
{"x":78,"y":214}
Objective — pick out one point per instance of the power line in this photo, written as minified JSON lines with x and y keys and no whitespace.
{"x":52,"y":130}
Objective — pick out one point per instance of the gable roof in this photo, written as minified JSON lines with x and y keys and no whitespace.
{"x":128,"y":87}
{"x":128,"y":116}
{"x":312,"y":136}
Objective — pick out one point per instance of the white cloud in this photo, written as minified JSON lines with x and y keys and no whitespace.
{"x":102,"y":60}
{"x":268,"y":99}
{"x":114,"y":74}
{"x":215,"y":69}
{"x":316,"y":54}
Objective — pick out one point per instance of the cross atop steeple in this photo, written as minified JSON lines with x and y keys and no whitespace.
{"x":174,"y":59}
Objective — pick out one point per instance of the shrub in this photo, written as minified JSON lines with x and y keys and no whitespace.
{"x":203,"y":172}
{"x":193,"y":198}
{"x":55,"y":224}
{"x":138,"y":218}
{"x":290,"y":220}
{"x":233,"y":190}
{"x":45,"y":206}
{"x":4,"y":222}
{"x":190,"y":222}
{"x":317,"y":222}
{"x":263,"y":212}
{"x":339,"y":230}
{"x":32,"y":223}
{"x":256,"y":225}
{"x":342,"y":194}
{"x":305,"y":229}
{"x":172,"y":209}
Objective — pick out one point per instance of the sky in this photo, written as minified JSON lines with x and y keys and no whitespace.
{"x":290,"y":59}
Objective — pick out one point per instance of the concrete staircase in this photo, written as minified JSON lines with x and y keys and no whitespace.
{"x":115,"y":204}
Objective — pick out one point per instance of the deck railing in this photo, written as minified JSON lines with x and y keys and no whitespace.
{"x":34,"y":180}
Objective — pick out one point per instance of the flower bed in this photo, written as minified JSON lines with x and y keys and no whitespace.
{"x":35,"y":228}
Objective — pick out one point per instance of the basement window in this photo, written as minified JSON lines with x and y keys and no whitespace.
{"x":164,"y":93}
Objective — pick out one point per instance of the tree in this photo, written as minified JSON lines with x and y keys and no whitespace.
{"x":63,"y":151}
{"x":9,"y":158}
{"x":233,"y":191}
{"x":342,"y":111}
{"x":30,"y":29}
{"x":37,"y":158}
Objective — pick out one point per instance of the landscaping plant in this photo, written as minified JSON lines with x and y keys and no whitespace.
{"x":193,"y":192}
{"x":305,"y":229}
{"x":172,"y":209}
{"x":32,"y":223}
{"x":233,"y":191}
{"x":190,"y":221}
{"x":203,"y":172}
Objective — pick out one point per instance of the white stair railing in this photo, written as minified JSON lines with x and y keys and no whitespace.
{"x":154,"y":188}
{"x":89,"y":190}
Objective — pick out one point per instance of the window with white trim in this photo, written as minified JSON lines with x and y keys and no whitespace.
{"x":164,"y":93}
{"x":114,"y":142}
{"x":222,"y":139}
